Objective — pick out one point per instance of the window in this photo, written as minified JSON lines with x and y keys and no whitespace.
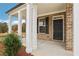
{"x":43,"y":25}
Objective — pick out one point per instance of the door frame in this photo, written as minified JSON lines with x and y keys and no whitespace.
{"x":56,"y":18}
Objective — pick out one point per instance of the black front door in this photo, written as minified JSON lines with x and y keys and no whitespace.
{"x":58,"y":29}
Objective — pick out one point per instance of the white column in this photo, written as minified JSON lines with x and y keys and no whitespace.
{"x":76,"y":29}
{"x":34,"y":28}
{"x":29,"y":28}
{"x":19,"y":24}
{"x":9,"y":24}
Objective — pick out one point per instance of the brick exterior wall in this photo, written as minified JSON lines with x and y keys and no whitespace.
{"x":69,"y":25}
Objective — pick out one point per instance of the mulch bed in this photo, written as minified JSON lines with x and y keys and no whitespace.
{"x":21,"y":52}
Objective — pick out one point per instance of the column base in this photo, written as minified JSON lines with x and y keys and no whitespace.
{"x":28,"y":50}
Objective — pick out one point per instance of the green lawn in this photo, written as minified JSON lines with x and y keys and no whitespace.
{"x":1,"y":46}
{"x":1,"y":38}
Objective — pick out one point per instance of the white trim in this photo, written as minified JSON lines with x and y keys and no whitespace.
{"x":9,"y":24}
{"x":21,"y":9}
{"x":29,"y":19}
{"x":39,"y":14}
{"x":14,"y":13}
{"x":19,"y":24}
{"x":17,"y":11}
{"x":75,"y":29}
{"x":62,"y":17}
{"x":51,"y":13}
{"x":34,"y":27}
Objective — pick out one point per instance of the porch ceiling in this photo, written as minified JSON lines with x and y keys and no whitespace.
{"x":43,"y":8}
{"x":50,"y":7}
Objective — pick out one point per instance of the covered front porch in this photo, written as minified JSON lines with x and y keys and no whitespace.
{"x":30,"y":13}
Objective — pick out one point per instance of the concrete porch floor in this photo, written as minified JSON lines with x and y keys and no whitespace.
{"x":50,"y":48}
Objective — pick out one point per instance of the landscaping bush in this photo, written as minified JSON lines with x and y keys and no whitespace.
{"x":12,"y":44}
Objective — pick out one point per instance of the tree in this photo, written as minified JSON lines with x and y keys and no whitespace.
{"x":15,"y":28}
{"x":3,"y":27}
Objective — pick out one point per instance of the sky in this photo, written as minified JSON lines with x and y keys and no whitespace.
{"x":3,"y":8}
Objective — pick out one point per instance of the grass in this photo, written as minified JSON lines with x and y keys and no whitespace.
{"x":2,"y":36}
{"x":1,"y":39}
{"x":1,"y":47}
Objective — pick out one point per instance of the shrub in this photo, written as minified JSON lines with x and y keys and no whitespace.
{"x":12,"y":44}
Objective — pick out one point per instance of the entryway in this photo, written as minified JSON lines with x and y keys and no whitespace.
{"x":58,"y":27}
